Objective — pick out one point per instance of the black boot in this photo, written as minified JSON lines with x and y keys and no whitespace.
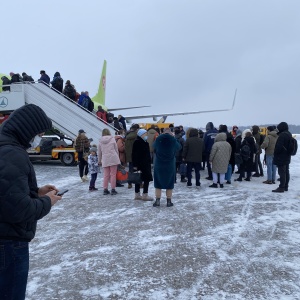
{"x":278,"y":190}
{"x":169,"y":203}
{"x":157,"y":202}
{"x":183,"y":179}
{"x":214,"y":185}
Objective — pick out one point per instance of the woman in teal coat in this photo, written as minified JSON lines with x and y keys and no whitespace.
{"x":165,"y":148}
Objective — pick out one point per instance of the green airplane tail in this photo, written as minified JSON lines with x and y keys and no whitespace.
{"x":99,"y":98}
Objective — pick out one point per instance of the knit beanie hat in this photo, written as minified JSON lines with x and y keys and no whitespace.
{"x":25,"y":123}
{"x":93,"y":149}
{"x":141,"y":132}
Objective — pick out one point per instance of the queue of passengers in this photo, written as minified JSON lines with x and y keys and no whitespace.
{"x":57,"y":83}
{"x":174,"y":150}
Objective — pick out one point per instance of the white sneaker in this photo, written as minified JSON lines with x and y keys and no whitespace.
{"x":85,"y":177}
{"x":82,"y":179}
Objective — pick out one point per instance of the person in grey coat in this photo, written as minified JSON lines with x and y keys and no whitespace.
{"x":219,"y":158}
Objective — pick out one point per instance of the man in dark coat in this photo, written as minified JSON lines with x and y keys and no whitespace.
{"x":180,"y":140}
{"x":44,"y":77}
{"x":122,"y":120}
{"x":129,"y":140}
{"x":165,"y":147}
{"x":209,"y":139}
{"x":281,"y":157}
{"x":192,"y":154}
{"x":57,"y":82}
{"x":27,"y":78}
{"x":22,"y":202}
{"x":141,"y":161}
{"x":5,"y":81}
{"x":259,"y":138}
{"x":248,"y":165}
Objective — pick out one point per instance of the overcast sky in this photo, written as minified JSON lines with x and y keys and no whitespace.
{"x":173,"y":55}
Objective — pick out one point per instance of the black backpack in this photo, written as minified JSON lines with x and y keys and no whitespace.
{"x":293,"y":146}
{"x":245,"y":152}
{"x":58,"y":83}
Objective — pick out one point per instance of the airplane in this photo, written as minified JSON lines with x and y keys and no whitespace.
{"x":99,"y":99}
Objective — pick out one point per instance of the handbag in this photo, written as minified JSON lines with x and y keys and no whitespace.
{"x":135,"y":177}
{"x":122,"y":175}
{"x":238,"y":158}
{"x":85,"y":156}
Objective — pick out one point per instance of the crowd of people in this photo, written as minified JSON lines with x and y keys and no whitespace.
{"x":161,"y":155}
{"x":23,"y":202}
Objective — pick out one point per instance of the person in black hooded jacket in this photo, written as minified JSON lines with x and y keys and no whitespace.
{"x":57,"y":82}
{"x":22,"y":202}
{"x":282,"y":158}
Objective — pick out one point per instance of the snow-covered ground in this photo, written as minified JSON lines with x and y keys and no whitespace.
{"x":240,"y":242}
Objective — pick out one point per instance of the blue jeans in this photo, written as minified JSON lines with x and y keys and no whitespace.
{"x":93,"y":180}
{"x":14,"y":267}
{"x":271,"y":168}
{"x":228,"y":174}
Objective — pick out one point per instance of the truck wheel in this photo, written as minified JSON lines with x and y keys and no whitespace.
{"x":67,"y":159}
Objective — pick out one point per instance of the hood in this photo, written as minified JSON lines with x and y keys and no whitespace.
{"x":209,"y":126}
{"x":238,"y":132}
{"x":107,"y":139}
{"x":255,"y":129}
{"x":223,"y":128}
{"x":25,"y":123}
{"x":273,"y":133}
{"x":221,"y":137}
{"x":244,"y":133}
{"x":152,"y":131}
{"x":283,"y":126}
{"x":131,"y":135}
{"x":57,"y":74}
{"x":193,"y":132}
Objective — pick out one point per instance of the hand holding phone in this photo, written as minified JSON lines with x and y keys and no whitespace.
{"x":61,"y":193}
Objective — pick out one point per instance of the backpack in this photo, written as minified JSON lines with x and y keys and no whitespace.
{"x":245,"y":152}
{"x":293,"y":147}
{"x":58,"y":83}
{"x":85,"y":102}
{"x":109,"y":117}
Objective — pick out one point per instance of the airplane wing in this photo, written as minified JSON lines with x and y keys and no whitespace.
{"x":165,"y":115}
{"x":130,"y":107}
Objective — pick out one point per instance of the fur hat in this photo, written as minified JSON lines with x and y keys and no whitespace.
{"x":167,"y":130}
{"x":141,"y":132}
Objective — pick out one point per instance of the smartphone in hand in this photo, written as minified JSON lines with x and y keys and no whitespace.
{"x":61,"y":193}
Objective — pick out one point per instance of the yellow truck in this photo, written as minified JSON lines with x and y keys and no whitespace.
{"x":159,"y":125}
{"x":53,"y":147}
